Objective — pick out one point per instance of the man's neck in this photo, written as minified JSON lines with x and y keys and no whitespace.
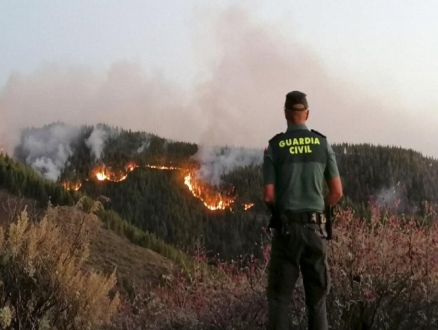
{"x":295,"y":125}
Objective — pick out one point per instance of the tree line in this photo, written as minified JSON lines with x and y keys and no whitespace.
{"x":158,"y":202}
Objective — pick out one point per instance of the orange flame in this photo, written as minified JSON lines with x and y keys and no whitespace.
{"x":72,"y":185}
{"x":168,"y":168}
{"x":213,"y":201}
{"x":246,"y":207}
{"x":105,"y":173}
{"x":109,"y":176}
{"x":131,"y":167}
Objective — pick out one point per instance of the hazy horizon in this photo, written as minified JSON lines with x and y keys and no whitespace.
{"x":219,"y":75}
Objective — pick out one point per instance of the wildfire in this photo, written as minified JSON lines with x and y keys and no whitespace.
{"x":131,"y":166}
{"x":105,"y":173}
{"x":247,"y":206}
{"x":212,"y":200}
{"x":72,"y":185}
{"x":168,"y":168}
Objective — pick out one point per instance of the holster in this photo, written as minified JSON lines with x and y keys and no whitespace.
{"x":279,"y":222}
{"x":330,"y":216}
{"x":275,"y":221}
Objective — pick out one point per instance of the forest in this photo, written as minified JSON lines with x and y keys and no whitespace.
{"x":158,"y":201}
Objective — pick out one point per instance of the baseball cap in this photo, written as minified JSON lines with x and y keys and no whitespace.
{"x":293,"y":98}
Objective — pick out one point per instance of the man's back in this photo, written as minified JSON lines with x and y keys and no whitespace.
{"x":298,"y":162}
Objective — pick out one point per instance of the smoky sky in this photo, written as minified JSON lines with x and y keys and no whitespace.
{"x":247,"y":68}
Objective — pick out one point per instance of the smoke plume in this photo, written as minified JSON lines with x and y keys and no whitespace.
{"x":96,"y":141}
{"x":218,"y":161}
{"x":47,"y":149}
{"x":144,"y":146}
{"x":124,"y":96}
{"x":246,"y":68}
{"x":394,"y":198}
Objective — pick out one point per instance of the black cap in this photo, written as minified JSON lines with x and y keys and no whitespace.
{"x":293,"y":98}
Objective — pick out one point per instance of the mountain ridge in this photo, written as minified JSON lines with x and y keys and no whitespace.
{"x":161,"y":201}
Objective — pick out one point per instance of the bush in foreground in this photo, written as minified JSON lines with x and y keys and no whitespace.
{"x":385,"y":272}
{"x":43,"y":281}
{"x":384,"y":276}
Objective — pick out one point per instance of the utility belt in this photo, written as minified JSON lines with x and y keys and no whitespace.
{"x":314,"y":220}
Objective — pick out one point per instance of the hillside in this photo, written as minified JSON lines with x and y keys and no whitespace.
{"x":388,"y":172}
{"x":21,"y":186}
{"x":373,"y":267}
{"x":186,"y":193}
{"x":136,"y":266}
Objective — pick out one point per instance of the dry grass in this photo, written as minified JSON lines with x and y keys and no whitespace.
{"x":11,"y":207}
{"x":135,"y":266}
{"x":43,"y":282}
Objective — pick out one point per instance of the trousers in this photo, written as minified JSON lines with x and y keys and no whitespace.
{"x":301,"y":250}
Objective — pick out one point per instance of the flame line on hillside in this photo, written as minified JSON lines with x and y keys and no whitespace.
{"x":211,"y":199}
{"x":246,"y":207}
{"x":168,"y":168}
{"x":103,"y":173}
{"x":72,"y":185}
{"x":220,"y":204}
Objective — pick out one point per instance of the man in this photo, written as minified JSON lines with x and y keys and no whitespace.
{"x":296,"y":164}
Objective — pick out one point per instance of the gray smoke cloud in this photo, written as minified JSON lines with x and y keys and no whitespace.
{"x":144,"y":146}
{"x":218,"y":161}
{"x":247,"y":69}
{"x":47,"y":149}
{"x":393,"y":197}
{"x":124,"y":96}
{"x":96,"y":141}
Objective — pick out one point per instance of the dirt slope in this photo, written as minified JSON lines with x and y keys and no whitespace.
{"x":136,"y":266}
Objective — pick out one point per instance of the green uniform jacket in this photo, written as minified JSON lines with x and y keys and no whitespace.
{"x":298,"y":162}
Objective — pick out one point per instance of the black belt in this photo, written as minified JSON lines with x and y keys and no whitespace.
{"x":305,"y":218}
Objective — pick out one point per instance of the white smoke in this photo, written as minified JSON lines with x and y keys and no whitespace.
{"x":144,"y":146}
{"x":49,"y":168}
{"x":218,"y":161}
{"x":47,"y":149}
{"x":393,"y":197}
{"x":96,"y":141}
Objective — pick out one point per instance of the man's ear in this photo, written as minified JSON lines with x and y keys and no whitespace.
{"x":307,"y":115}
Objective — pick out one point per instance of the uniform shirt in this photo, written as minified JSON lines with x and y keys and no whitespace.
{"x":298,"y":162}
